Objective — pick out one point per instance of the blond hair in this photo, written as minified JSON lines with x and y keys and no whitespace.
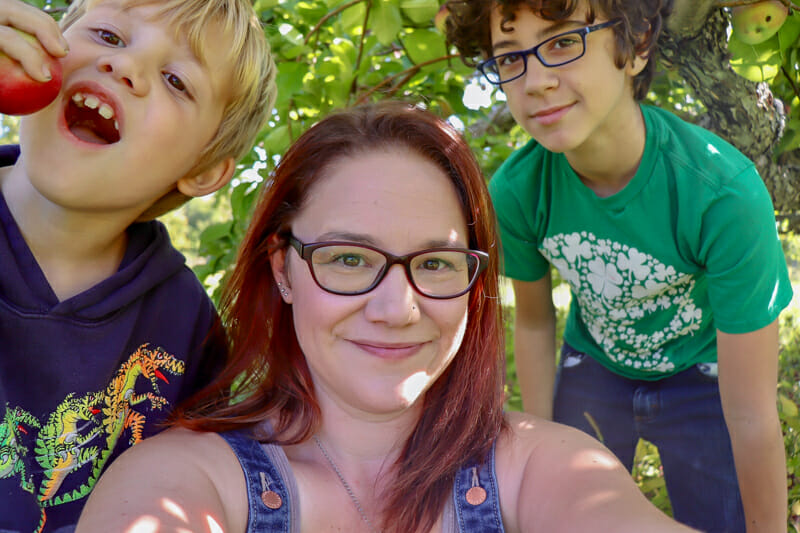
{"x":251,"y":88}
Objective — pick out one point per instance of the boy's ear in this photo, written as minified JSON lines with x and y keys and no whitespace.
{"x":209,"y":180}
{"x":637,"y":65}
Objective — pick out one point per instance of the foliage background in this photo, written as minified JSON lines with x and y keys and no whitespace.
{"x":336,"y":53}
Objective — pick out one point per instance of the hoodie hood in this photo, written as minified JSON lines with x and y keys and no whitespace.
{"x":149,"y":260}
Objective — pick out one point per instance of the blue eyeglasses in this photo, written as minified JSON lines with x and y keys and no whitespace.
{"x":556,"y":51}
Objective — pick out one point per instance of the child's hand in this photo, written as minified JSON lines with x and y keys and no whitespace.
{"x":30,"y":53}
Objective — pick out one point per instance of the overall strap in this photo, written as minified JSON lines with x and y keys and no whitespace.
{"x":476,"y":497}
{"x":267,"y":496}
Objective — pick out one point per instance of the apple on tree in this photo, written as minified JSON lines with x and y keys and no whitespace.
{"x":755,"y":23}
{"x":19,"y":93}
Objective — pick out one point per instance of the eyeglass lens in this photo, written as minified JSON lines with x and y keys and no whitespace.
{"x":354,"y":269}
{"x":553,"y":52}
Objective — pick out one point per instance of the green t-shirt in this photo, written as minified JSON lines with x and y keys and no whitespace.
{"x":689,"y":246}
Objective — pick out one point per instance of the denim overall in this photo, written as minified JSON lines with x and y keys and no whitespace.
{"x":272,"y":513}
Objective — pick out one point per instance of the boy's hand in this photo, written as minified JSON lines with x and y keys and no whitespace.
{"x":30,"y":53}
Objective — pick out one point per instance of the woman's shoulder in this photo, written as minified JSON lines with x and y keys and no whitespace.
{"x":527,"y":433}
{"x":194,"y":471}
{"x":185,"y":448}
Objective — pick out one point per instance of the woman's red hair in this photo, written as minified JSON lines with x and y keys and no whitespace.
{"x":463,"y":410}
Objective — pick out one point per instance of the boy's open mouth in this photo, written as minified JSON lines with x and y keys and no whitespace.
{"x":91,"y":120}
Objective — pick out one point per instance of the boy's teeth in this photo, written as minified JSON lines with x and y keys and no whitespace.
{"x":92,"y":102}
{"x":105,"y":111}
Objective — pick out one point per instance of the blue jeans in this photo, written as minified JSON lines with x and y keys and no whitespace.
{"x":681,"y":415}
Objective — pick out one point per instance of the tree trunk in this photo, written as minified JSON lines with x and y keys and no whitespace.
{"x":740,"y":111}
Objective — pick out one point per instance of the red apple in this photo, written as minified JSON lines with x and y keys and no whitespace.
{"x":440,"y":20}
{"x":755,"y":23}
{"x":19,"y":93}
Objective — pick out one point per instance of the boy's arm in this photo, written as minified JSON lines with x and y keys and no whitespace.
{"x":534,"y":344}
{"x":25,"y":17}
{"x":748,"y":369}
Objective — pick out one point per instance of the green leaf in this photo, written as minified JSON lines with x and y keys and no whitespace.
{"x":292,"y":43}
{"x":290,"y":80}
{"x":263,"y":5}
{"x":756,"y":62}
{"x":353,"y":16}
{"x":277,"y":140}
{"x":215,"y":239}
{"x":344,"y":53}
{"x":424,"y":45}
{"x":787,"y":407}
{"x":791,"y":138}
{"x":420,"y":11}
{"x":242,"y":200}
{"x":790,"y":31}
{"x":310,"y":10}
{"x":386,"y":21}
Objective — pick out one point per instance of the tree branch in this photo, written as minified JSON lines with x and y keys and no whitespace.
{"x":327,"y":16}
{"x":404,"y":75}
{"x":689,"y":16}
{"x":742,"y":112}
{"x":354,"y":85}
{"x":791,"y":81}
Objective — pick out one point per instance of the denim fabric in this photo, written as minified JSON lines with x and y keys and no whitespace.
{"x":483,"y":518}
{"x":681,"y":415}
{"x":254,"y":462}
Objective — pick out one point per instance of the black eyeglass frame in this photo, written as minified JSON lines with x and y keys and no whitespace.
{"x":483,"y":66}
{"x":305,"y":250}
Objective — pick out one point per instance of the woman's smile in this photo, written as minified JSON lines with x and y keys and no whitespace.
{"x":387,"y":350}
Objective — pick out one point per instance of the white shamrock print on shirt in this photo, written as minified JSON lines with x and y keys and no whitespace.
{"x":619,"y":289}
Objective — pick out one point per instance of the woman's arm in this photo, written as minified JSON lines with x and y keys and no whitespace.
{"x":177,"y":481}
{"x":570,"y":482}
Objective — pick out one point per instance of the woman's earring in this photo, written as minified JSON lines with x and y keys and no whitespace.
{"x":282,"y":289}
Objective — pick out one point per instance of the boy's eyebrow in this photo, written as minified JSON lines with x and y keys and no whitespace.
{"x":545,"y":33}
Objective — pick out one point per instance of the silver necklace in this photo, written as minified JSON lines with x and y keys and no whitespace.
{"x":346,"y":485}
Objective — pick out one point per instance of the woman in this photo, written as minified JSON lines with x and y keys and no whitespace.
{"x":363,"y":312}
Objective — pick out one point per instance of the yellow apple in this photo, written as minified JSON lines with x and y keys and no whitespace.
{"x":755,"y":23}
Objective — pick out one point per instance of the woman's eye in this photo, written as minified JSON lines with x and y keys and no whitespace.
{"x":434,"y":264}
{"x":109,"y":37}
{"x":350,"y":260}
{"x":175,"y":81}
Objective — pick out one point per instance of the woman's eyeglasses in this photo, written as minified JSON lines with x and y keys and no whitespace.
{"x":347,"y":268}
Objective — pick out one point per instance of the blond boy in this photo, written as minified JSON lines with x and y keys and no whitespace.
{"x":101,"y":323}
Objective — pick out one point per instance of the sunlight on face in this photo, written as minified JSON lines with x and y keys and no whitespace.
{"x":420,"y":381}
{"x":413,"y":386}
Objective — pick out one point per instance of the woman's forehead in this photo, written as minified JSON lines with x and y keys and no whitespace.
{"x":384,"y":193}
